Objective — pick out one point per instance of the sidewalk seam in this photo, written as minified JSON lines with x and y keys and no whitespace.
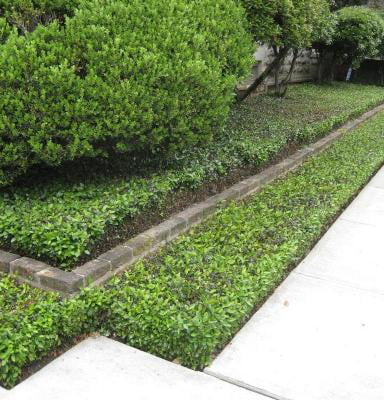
{"x":374,"y":186}
{"x":243,"y":385}
{"x":353,"y":221}
{"x":338,"y":282}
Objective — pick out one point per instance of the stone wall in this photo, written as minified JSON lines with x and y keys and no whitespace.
{"x":306,"y":67}
{"x":376,"y":3}
{"x":305,"y":70}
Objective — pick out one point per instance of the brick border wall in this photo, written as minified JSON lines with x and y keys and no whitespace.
{"x":118,"y":259}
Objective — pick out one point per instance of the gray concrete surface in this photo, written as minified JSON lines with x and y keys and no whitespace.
{"x":378,"y":180}
{"x":313,"y":340}
{"x":368,"y":208}
{"x":319,"y":337}
{"x":351,"y":253}
{"x":101,"y":368}
{"x":3,"y":392}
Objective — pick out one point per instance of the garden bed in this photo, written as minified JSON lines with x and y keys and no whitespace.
{"x":187,"y":302}
{"x":84,"y":210}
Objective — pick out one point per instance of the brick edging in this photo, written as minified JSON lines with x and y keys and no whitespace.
{"x":118,"y":259}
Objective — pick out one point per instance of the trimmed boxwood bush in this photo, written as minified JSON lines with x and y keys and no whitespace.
{"x":119,"y":76}
{"x":26,"y":15}
{"x":359,"y":35}
{"x":5,"y":30}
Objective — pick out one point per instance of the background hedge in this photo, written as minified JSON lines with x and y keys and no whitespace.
{"x":26,"y":15}
{"x":123,"y":76}
{"x":359,"y":35}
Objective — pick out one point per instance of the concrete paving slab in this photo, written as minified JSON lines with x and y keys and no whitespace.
{"x":101,"y":368}
{"x":351,"y":253}
{"x":312,"y":340}
{"x":378,"y":180}
{"x":367,"y":208}
{"x":3,"y":392}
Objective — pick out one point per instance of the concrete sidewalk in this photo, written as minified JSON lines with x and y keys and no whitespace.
{"x":320,"y":336}
{"x":101,"y":369}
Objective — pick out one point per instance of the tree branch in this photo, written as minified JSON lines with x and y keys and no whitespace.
{"x":281,"y":54}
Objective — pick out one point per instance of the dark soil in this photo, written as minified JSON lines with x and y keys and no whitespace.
{"x":175,"y":203}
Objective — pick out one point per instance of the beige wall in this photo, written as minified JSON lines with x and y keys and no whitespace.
{"x":305,"y":70}
{"x":376,"y":3}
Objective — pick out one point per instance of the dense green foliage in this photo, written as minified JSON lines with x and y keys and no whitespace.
{"x":288,"y":27}
{"x":5,"y":30}
{"x":359,"y":35}
{"x":60,"y":219}
{"x":292,"y":24}
{"x":26,"y":15}
{"x":119,"y":76}
{"x":337,"y":4}
{"x":32,"y":322}
{"x":189,"y":300}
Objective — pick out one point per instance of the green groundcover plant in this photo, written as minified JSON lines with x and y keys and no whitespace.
{"x":189,"y":300}
{"x":60,"y":220}
{"x":117,"y":76}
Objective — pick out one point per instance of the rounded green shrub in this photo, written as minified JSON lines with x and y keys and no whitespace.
{"x":120,"y":76}
{"x":359,"y":35}
{"x":292,"y":24}
{"x":337,"y":4}
{"x":5,"y":30}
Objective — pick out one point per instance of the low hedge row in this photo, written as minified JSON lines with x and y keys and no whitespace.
{"x":119,"y":76}
{"x":190,"y":299}
{"x":32,"y":322}
{"x":61,"y":220}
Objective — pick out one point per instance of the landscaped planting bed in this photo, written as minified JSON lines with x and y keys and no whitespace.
{"x":190,"y":299}
{"x":82,"y":210}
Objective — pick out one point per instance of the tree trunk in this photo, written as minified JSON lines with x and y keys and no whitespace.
{"x":258,"y":81}
{"x":276,"y":52}
{"x":326,"y":72}
{"x":283,"y":85}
